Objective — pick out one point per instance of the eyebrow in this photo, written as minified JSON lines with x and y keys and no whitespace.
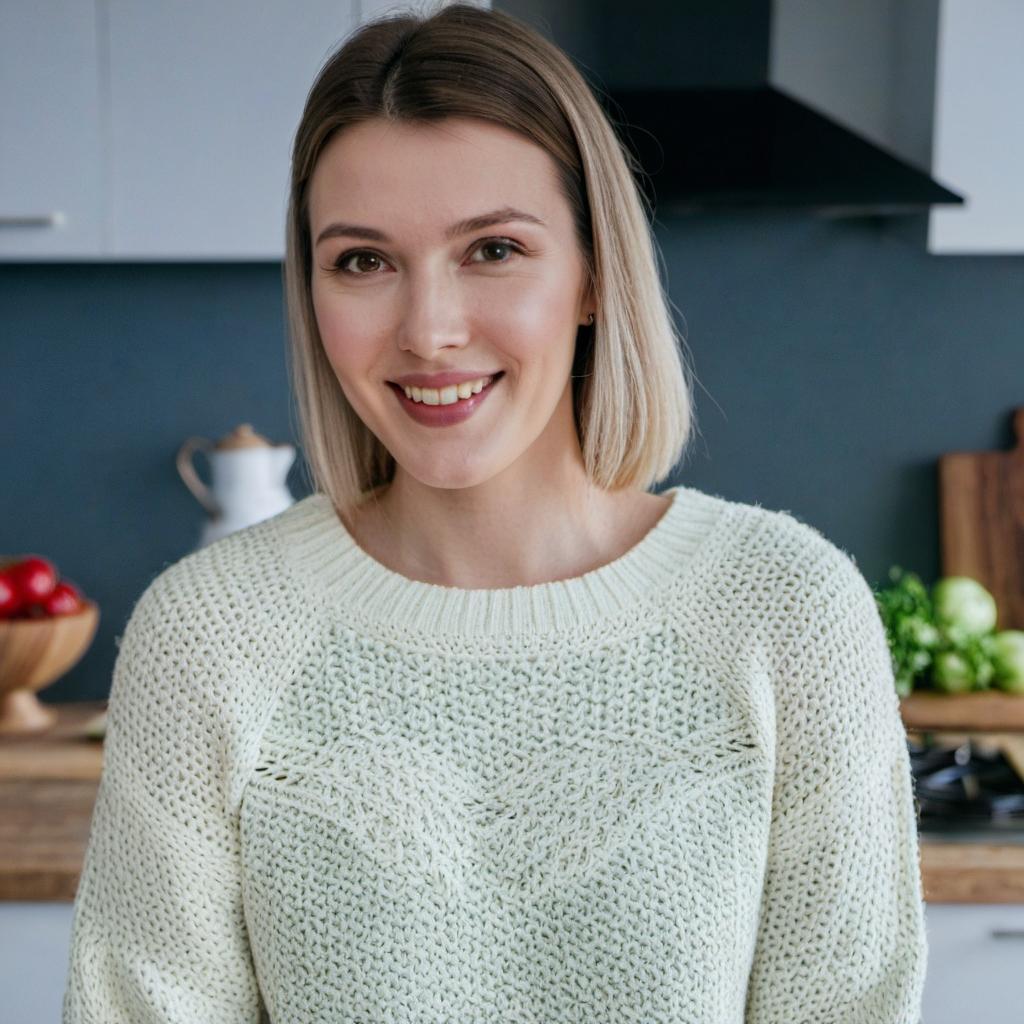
{"x":462,"y":227}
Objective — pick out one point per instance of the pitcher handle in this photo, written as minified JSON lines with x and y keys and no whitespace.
{"x":187,"y":472}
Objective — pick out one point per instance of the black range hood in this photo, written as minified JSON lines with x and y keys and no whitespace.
{"x":688,"y":84}
{"x":719,"y":148}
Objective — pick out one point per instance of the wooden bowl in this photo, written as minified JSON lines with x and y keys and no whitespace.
{"x":33,"y":654}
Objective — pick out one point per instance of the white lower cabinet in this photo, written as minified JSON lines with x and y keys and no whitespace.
{"x":35,"y":943}
{"x":975,"y":963}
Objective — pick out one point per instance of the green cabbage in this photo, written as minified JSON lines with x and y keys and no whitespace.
{"x":1008,"y":659}
{"x":964,"y":606}
{"x":944,"y":639}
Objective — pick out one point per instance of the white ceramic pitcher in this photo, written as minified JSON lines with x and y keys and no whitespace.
{"x":248,"y":480}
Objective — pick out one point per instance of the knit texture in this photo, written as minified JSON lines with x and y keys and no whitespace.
{"x":673,"y":789}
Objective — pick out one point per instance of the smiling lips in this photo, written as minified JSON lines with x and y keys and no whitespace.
{"x":448,"y":405}
{"x":449,"y":394}
{"x":442,"y":379}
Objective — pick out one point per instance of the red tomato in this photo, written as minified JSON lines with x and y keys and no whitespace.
{"x":34,"y":577}
{"x":10,"y":598}
{"x":65,"y":599}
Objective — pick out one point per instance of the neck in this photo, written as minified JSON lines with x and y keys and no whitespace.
{"x":348,"y":583}
{"x":514,"y":530}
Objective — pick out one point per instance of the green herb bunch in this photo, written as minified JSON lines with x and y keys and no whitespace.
{"x":944,"y":639}
{"x":908,"y":615}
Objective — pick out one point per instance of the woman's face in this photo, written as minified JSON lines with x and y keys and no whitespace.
{"x":404,"y":285}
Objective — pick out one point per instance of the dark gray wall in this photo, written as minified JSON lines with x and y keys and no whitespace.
{"x":105,"y":370}
{"x":835,"y":362}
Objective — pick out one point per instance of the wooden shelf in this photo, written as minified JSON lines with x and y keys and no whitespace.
{"x":989,"y":711}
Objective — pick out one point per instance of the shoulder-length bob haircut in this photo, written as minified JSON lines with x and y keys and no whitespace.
{"x":632,"y":392}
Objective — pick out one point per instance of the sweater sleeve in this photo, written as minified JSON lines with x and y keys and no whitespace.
{"x":158,"y":933}
{"x":841,"y":937}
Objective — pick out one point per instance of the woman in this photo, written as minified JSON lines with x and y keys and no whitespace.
{"x":482,"y":729}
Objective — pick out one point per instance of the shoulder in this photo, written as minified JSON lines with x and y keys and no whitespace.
{"x":821,"y":616}
{"x":785,"y":575}
{"x":775,"y":544}
{"x":206,"y":642}
{"x":802,"y":600}
{"x":243,"y":568}
{"x":224,"y":600}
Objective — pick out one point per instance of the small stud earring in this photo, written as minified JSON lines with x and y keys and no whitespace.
{"x":590,"y":318}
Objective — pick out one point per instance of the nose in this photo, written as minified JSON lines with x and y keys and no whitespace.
{"x":433,"y":317}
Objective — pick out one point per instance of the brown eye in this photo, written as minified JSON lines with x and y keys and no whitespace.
{"x":357,"y":255}
{"x":492,"y":246}
{"x":498,"y":243}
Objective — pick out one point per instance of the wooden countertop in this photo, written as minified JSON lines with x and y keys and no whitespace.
{"x":988,"y":710}
{"x":48,"y":785}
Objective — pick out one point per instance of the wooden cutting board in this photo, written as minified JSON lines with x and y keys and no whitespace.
{"x":981,"y":512}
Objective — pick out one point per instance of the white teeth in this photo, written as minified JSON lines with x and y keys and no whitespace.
{"x":448,"y":395}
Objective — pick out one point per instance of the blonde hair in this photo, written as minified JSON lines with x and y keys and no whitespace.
{"x":632,"y":395}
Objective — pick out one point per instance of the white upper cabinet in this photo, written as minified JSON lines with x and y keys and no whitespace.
{"x":979,"y":128}
{"x":204,"y":102}
{"x":156,"y":130}
{"x":51,"y":195}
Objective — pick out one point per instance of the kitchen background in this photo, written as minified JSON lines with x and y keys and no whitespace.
{"x":835,"y":360}
{"x":836,"y":357}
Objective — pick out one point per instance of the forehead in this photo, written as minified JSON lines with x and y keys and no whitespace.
{"x":427,"y":175}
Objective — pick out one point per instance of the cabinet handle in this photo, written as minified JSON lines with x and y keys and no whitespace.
{"x":1007,"y":933}
{"x":40,"y":220}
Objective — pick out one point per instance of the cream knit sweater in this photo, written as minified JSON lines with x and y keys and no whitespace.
{"x":674,"y":789}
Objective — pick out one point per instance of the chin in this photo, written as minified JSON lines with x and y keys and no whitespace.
{"x":444,"y":475}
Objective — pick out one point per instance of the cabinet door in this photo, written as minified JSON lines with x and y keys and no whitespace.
{"x":35,"y":938}
{"x":979,"y":133}
{"x":204,"y":102}
{"x":975,"y":955}
{"x":51,"y":200}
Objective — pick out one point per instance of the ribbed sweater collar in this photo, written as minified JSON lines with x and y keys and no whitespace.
{"x":320,"y":550}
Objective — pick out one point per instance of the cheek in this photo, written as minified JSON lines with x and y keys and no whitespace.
{"x":346,"y":341}
{"x":536,"y":326}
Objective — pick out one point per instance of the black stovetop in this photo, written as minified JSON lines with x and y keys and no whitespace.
{"x":966,"y":792}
